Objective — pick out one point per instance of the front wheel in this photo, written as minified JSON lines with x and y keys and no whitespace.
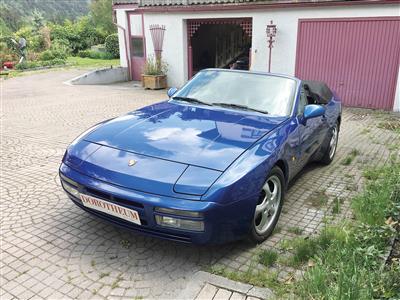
{"x":269,"y":206}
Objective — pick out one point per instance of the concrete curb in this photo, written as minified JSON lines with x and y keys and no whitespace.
{"x":200,"y":279}
{"x":100,"y":76}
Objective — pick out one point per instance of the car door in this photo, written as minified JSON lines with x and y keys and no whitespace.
{"x":311,"y":132}
{"x":296,"y":139}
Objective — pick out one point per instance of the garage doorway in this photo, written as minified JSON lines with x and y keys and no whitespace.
{"x":357,"y":57}
{"x":219,"y":43}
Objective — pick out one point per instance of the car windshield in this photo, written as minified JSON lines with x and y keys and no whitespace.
{"x":240,"y":90}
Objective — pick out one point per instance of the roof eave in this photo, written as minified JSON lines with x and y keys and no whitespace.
{"x":248,"y":6}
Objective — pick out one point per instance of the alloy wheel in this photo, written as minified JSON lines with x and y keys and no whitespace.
{"x":268,"y":205}
{"x":333,"y":143}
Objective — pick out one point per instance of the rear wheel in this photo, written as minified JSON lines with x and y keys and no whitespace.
{"x":269,"y":206}
{"x":330,"y":151}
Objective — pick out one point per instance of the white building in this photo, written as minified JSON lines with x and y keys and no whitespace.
{"x":354,"y":46}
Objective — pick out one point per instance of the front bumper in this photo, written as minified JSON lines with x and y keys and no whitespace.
{"x":222,"y":223}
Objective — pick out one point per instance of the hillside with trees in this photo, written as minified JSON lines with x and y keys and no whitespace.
{"x":53,"y":30}
{"x":16,"y":13}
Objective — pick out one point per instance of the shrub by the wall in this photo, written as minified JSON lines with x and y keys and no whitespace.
{"x":112,"y":45}
{"x":27,"y":65}
{"x":95,"y":54}
{"x":37,"y":64}
{"x":52,"y":54}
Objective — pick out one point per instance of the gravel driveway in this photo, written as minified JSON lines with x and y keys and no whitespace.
{"x":52,"y":249}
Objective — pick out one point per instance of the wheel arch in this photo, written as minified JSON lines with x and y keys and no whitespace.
{"x":282,"y":164}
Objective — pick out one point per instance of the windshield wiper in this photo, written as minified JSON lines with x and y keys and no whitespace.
{"x":238,"y":106}
{"x":192,"y":100}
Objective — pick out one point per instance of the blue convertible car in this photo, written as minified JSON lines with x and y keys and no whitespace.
{"x":209,"y":165}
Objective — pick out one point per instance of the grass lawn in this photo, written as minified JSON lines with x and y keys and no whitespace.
{"x":345,"y":261}
{"x":72,"y":62}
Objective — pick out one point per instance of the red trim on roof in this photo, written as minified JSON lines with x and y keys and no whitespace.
{"x":248,"y":6}
{"x":352,"y":19}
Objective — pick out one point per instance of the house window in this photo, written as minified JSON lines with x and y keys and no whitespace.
{"x":136,"y":25}
{"x":137,"y":46}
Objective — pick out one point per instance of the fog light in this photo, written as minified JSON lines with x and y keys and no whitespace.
{"x":178,"y":212}
{"x":70,"y":189}
{"x":180,"y":223}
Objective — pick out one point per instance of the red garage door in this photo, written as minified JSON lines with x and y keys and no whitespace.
{"x":358,"y":58}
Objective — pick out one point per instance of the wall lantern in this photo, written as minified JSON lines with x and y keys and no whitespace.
{"x":271,"y":34}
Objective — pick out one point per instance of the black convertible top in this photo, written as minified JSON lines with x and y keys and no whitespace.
{"x":320,"y":89}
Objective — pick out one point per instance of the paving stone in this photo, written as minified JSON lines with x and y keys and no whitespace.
{"x":222,"y":294}
{"x":48,"y":244}
{"x":237,"y":296}
{"x":207,"y":292}
{"x":252,"y":298}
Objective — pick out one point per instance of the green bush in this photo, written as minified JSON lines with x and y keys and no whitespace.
{"x":80,"y":34}
{"x":8,"y":44}
{"x":6,"y":53}
{"x":34,"y":40}
{"x":61,"y":45}
{"x":112,"y":45}
{"x":52,"y":54}
{"x":37,"y":64}
{"x":53,"y":62}
{"x":95,"y":54}
{"x":27,"y":65}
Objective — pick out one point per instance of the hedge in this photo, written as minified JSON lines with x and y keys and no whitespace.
{"x":37,"y":64}
{"x":95,"y":54}
{"x":53,"y":54}
{"x":112,"y":45}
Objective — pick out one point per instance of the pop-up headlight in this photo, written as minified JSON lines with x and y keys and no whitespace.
{"x":196,"y":181}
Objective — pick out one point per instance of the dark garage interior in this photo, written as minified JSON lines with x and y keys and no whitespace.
{"x":220,"y":46}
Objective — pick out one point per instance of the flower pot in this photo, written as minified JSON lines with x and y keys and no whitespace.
{"x":154,"y":82}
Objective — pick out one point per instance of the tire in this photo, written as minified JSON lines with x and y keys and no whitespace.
{"x":331,"y":148}
{"x":267,"y":210}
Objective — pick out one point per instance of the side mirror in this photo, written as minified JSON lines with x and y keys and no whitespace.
{"x":313,"y":111}
{"x":172,"y":91}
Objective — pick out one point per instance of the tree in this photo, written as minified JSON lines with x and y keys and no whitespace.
{"x":101,"y":15}
{"x":4,"y":30}
{"x":17,"y":13}
{"x":10,"y":17}
{"x":37,"y":20}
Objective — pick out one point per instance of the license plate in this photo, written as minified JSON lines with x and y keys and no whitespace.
{"x":111,"y":208}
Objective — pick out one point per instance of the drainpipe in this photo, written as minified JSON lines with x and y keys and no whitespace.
{"x":128,"y":61}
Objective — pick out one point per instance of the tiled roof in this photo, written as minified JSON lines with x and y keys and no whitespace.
{"x":205,"y":2}
{"x":125,"y":2}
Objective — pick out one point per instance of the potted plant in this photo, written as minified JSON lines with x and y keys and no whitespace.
{"x":154,"y":74}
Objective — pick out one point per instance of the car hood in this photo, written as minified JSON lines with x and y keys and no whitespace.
{"x":202,"y":136}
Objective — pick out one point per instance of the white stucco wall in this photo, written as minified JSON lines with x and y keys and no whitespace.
{"x":284,"y":51}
